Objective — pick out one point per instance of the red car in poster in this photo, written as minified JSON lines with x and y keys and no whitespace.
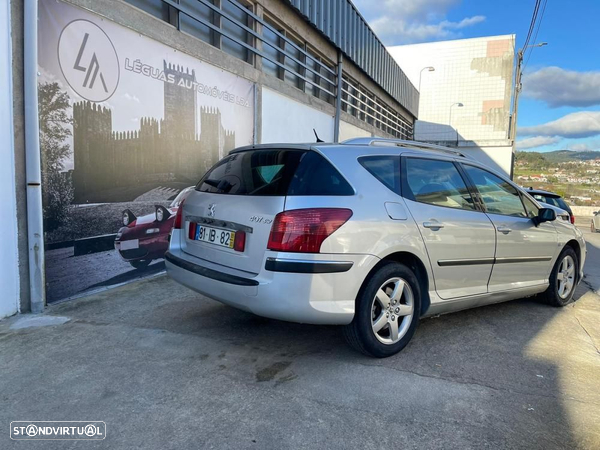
{"x":145,"y":238}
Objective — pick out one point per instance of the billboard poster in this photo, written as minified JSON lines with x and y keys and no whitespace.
{"x":126,"y":125}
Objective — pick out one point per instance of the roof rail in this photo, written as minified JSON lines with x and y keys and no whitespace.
{"x":402,"y":143}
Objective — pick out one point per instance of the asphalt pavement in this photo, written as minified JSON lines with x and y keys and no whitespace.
{"x":167,"y":368}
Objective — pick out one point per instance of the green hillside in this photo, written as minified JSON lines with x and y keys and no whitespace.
{"x":568,"y":155}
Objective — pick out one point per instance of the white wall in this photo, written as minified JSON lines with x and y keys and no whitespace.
{"x":497,"y":158}
{"x":475,"y":72}
{"x":9,"y":272}
{"x":286,"y":120}
{"x":348,"y":131}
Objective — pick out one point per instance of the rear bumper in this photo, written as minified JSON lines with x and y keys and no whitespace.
{"x":321,"y":290}
{"x":208,"y":273}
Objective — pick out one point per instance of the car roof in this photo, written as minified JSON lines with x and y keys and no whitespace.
{"x":367,"y":145}
{"x":371,"y":146}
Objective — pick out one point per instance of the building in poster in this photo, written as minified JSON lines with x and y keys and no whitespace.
{"x":466,"y":91}
{"x":163,"y":151}
{"x":138,"y":98}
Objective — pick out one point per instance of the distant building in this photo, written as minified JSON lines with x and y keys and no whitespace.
{"x":475,"y":73}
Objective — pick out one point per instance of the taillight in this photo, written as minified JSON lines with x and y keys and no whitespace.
{"x":239,"y":242}
{"x":572,"y":219}
{"x":192,"y":230}
{"x":178,"y":223}
{"x":304,"y":230}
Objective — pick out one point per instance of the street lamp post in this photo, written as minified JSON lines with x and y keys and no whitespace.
{"x":458,"y":105}
{"x":428,"y":69}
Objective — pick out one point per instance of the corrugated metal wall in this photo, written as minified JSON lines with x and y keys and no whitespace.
{"x":341,"y":22}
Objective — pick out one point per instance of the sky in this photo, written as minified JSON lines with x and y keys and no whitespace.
{"x":559,"y":106}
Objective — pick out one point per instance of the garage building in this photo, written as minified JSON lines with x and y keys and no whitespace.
{"x":110,"y":105}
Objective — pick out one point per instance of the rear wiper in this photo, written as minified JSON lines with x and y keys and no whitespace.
{"x":221,"y":185}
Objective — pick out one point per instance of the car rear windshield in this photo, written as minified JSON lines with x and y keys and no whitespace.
{"x":274,"y":172}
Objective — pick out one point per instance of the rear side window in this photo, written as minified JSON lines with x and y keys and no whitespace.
{"x":316,"y":176}
{"x":385,"y":168}
{"x":274,"y":172}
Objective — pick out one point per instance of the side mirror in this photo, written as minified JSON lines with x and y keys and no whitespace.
{"x":128,"y":217}
{"x":162,"y":213}
{"x":545,"y":215}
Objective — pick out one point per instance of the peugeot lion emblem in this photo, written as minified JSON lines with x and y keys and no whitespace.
{"x":211,"y":210}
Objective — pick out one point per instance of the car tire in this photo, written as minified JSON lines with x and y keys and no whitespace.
{"x":396,"y":323}
{"x":553,"y":295}
{"x":140,"y":263}
{"x":593,"y":228}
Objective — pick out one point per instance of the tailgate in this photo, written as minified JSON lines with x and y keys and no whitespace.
{"x":250,"y":214}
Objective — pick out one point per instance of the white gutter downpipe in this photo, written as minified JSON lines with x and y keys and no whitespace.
{"x":35,"y":223}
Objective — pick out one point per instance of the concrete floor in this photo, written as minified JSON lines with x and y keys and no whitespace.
{"x":166,"y":368}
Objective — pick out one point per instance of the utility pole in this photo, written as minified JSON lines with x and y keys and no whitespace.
{"x":518,"y":88}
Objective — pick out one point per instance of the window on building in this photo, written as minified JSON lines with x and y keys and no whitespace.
{"x":290,"y":63}
{"x":272,"y":44}
{"x":196,"y":28}
{"x":155,"y":7}
{"x":319,"y":76}
{"x":236,"y":10}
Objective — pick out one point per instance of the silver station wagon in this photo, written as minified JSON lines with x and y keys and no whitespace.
{"x":372,"y":234}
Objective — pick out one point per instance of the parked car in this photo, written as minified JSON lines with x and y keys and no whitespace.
{"x":371,"y":234}
{"x":596,"y":222}
{"x":553,"y":199}
{"x":144,"y":239}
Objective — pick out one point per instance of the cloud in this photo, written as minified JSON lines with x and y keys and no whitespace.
{"x":537,"y":141}
{"x":575,"y":125}
{"x":593,"y":145}
{"x":411,"y":21}
{"x":559,"y":87}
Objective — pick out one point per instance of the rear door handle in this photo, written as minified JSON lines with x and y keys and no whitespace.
{"x":504,"y":230}
{"x":436,"y":225}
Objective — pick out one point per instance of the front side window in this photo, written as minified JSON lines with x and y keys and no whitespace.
{"x":530,"y":207}
{"x":498,"y":195}
{"x":436,"y":183}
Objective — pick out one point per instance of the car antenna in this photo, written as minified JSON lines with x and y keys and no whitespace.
{"x":317,"y":136}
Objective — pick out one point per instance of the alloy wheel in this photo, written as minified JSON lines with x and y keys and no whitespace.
{"x":566,"y":277}
{"x":392,"y":310}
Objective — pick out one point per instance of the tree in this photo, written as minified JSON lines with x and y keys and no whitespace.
{"x":57,"y":189}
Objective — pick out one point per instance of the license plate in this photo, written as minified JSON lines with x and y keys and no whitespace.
{"x":217,"y":236}
{"x":130,"y":244}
